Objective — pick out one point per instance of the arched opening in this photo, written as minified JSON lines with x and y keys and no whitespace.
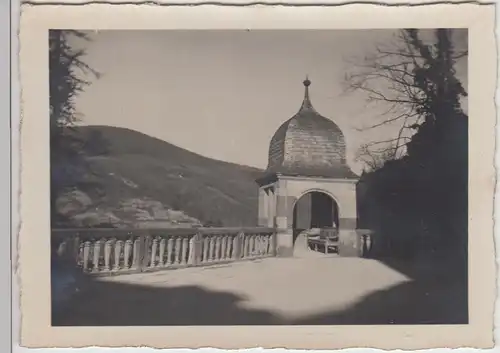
{"x":314,"y":209}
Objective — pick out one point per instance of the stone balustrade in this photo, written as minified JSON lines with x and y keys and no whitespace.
{"x":114,"y":251}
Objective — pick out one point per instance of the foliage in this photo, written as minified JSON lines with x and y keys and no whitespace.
{"x":67,"y":69}
{"x":419,"y":201}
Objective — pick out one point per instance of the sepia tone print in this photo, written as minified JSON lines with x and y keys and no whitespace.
{"x":259,"y":177}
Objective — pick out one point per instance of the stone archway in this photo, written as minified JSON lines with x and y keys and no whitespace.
{"x":314,"y":209}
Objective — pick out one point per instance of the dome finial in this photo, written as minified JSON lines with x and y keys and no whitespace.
{"x":307,"y":82}
{"x":306,"y":104}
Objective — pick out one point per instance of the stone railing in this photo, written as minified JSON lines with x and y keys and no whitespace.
{"x":115,"y":251}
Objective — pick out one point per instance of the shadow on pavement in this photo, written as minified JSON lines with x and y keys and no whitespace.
{"x":119,"y":304}
{"x":430,"y":298}
{"x":410,"y":303}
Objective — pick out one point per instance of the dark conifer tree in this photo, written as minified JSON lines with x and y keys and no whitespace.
{"x":67,"y":79}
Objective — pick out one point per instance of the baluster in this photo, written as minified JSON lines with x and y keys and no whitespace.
{"x":61,"y":249}
{"x":266,"y":244}
{"x":244,"y":251}
{"x":245,"y":245}
{"x":192,"y":250}
{"x":97,"y":250}
{"x":211,"y":251}
{"x":101,"y":250}
{"x":200,"y":248}
{"x":126,"y":254}
{"x":257,"y":245}
{"x":136,"y":259}
{"x":217,"y":247}
{"x":86,"y":255}
{"x":185,"y":244}
{"x":241,"y":245}
{"x":206,"y":246}
{"x":236,"y":247}
{"x":177,"y":250}
{"x":229,"y":242}
{"x":213,"y":248}
{"x":223,"y":245}
{"x":163,"y":243}
{"x":154,"y":250}
{"x":107,"y":253}
{"x":170,"y":249}
{"x":229,"y":245}
{"x":118,"y":252}
{"x":215,"y":240}
{"x":79,"y":258}
{"x":198,"y":243}
{"x":251,"y":245}
{"x":147,"y":247}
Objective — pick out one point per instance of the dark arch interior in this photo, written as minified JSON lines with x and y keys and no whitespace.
{"x":314,"y":210}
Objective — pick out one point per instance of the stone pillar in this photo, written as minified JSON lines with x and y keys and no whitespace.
{"x":290,"y":203}
{"x":350,"y":242}
{"x":303,"y":212}
{"x":262,"y":221}
{"x":271,"y":207}
{"x":283,"y":226}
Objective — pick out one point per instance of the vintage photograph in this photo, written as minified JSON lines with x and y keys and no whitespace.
{"x":259,"y":177}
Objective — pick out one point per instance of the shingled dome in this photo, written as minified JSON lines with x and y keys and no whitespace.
{"x":309,"y":144}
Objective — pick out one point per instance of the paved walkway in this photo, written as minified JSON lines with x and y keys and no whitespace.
{"x":309,"y":289}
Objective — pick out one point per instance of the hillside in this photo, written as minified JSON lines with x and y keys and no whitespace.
{"x":132,"y":177}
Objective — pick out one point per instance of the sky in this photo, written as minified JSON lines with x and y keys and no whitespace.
{"x":224,"y":93}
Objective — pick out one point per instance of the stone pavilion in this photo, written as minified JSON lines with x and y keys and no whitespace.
{"x":307,"y":183}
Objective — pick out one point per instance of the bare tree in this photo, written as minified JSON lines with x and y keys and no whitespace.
{"x":410,"y":78}
{"x":375,"y":160}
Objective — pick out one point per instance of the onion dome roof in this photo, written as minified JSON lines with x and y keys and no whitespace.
{"x":308,"y":144}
